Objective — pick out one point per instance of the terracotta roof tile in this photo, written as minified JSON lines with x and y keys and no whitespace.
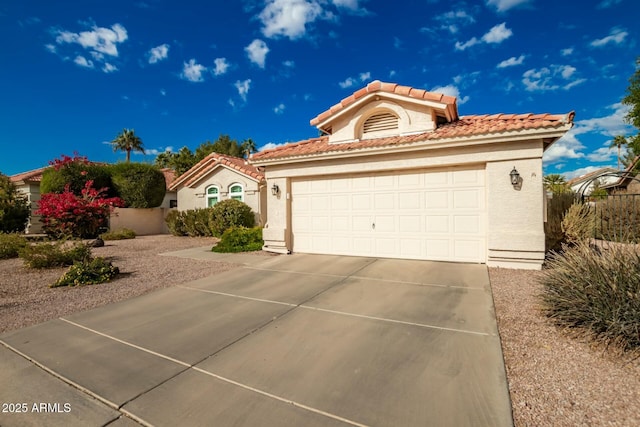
{"x":204,"y":167}
{"x":378,"y":86}
{"x":29,"y":176}
{"x":466,"y":126}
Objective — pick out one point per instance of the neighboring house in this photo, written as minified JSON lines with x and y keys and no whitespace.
{"x":398,"y":174}
{"x":584,"y":184}
{"x":29,"y":184}
{"x":218,"y":177}
{"x":628,"y":180}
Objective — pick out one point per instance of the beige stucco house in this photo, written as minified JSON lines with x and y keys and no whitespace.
{"x":218,"y":177}
{"x":28,"y":183}
{"x":397,"y":173}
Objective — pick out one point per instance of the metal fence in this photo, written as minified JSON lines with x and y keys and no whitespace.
{"x":617,"y":217}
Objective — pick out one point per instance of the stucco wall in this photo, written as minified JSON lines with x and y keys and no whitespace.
{"x":514,"y":217}
{"x":195,"y":197}
{"x":33,"y":194}
{"x":412,"y":118}
{"x":144,"y":222}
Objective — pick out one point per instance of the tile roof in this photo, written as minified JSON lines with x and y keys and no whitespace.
{"x":29,"y":176}
{"x":466,"y":126}
{"x":590,"y":175}
{"x":204,"y":166}
{"x":169,"y":176}
{"x":378,"y":86}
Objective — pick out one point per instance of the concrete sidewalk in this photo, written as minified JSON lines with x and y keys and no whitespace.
{"x":287,"y":341}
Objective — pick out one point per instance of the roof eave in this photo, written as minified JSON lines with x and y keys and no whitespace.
{"x":513,"y":136}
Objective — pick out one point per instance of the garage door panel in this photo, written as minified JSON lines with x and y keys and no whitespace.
{"x":466,"y":199}
{"x":437,"y":199}
{"x":409,"y":200}
{"x":410,"y":223}
{"x":438,"y":215}
{"x":361,"y":202}
{"x":384,"y":201}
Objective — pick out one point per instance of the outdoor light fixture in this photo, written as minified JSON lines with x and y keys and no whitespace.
{"x":275,"y":190}
{"x":515,"y":176}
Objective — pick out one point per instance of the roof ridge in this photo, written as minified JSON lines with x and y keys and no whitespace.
{"x":379,"y":86}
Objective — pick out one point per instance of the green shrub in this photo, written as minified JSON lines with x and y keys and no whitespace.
{"x":557,"y":207}
{"x":122,"y":234}
{"x":175,"y":223}
{"x":196,"y":222}
{"x":140,"y":185}
{"x":14,"y":207}
{"x":76,"y":172}
{"x":11,"y":245}
{"x":578,"y":223}
{"x":88,"y":272}
{"x":596,"y":290}
{"x":50,"y":255}
{"x":240,"y":239}
{"x":230,"y":213}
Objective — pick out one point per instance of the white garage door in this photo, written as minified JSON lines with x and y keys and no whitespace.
{"x":434,"y":215}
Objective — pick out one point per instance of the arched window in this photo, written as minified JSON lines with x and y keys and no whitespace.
{"x":213,"y":195}
{"x":236,"y":192}
{"x":380,"y":122}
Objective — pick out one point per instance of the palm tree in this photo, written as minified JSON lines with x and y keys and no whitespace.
{"x":555,"y":183}
{"x":127,"y":141}
{"x":248,"y":147}
{"x":618,"y":142}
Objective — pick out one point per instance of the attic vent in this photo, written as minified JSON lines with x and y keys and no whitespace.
{"x":381,"y":121}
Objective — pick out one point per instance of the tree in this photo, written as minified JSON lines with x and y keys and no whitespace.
{"x":618,"y":142}
{"x":185,"y":159}
{"x":248,"y":147}
{"x":555,"y":183}
{"x":14,"y":207}
{"x":632,"y":99}
{"x":128,"y":141}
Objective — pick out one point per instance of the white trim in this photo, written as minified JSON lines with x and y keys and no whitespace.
{"x":207,"y":196}
{"x":232,"y":195}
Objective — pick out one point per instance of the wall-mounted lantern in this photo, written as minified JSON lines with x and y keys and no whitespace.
{"x":275,"y":190}
{"x":515,"y":177}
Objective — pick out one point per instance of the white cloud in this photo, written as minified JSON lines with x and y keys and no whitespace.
{"x":50,"y":47}
{"x":496,"y":34}
{"x":158,"y":53}
{"x":163,"y":92}
{"x":452,"y":20}
{"x":83,"y":62}
{"x":100,"y":39}
{"x":504,"y":5}
{"x":243,"y":88}
{"x":553,"y":77}
{"x":288,"y":18}
{"x":257,"y":52}
{"x":192,"y":71}
{"x":279,"y":109}
{"x":616,"y":36}
{"x":566,"y":52}
{"x":289,"y":64}
{"x":291,"y":18}
{"x":270,"y":145}
{"x":221,"y":66}
{"x":511,"y":62}
{"x":450,"y":90}
{"x":109,"y":68}
{"x":604,"y":153}
{"x":570,"y":147}
{"x":352,"y":81}
{"x":567,"y":147}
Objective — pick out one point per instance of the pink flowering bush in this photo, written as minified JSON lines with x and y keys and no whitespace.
{"x":69,"y":215}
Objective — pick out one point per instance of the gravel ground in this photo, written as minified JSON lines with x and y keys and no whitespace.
{"x":26,"y":299}
{"x":555,"y":379}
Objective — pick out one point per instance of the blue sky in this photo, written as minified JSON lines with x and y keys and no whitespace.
{"x":74,"y":74}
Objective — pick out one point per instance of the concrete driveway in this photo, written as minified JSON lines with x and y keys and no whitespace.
{"x":300,"y":340}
